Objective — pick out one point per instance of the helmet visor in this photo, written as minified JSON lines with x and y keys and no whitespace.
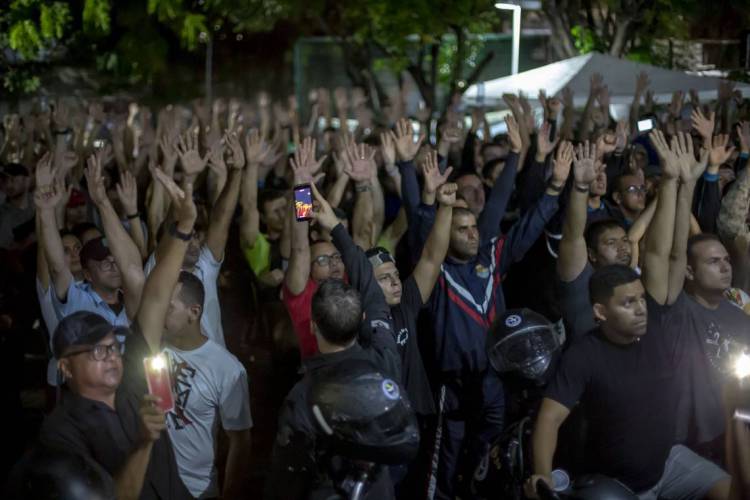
{"x":523,"y":348}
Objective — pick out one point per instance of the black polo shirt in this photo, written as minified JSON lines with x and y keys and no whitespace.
{"x":105,"y":436}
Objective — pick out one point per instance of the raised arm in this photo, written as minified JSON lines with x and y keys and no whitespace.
{"x":573,"y":254}
{"x":125,"y":252}
{"x":707,"y":200}
{"x":361,"y":168}
{"x":660,"y":234}
{"x":46,"y":197}
{"x":690,"y":171}
{"x":641,"y":84}
{"x":428,"y":268}
{"x":221,"y":215}
{"x":406,"y":150}
{"x":298,"y":272}
{"x":127,"y":192}
{"x":494,"y":209}
{"x":157,"y":292}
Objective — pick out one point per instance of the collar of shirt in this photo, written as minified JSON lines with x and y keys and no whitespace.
{"x":321,"y":360}
{"x":86,"y":286}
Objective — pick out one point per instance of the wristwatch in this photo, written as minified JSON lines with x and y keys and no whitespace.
{"x":173,"y":231}
{"x":554,"y":188}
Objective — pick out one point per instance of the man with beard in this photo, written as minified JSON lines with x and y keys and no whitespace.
{"x":467,"y":299}
{"x":582,"y":250}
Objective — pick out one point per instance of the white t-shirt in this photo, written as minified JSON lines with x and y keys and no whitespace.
{"x":211,"y":389}
{"x":207,"y":270}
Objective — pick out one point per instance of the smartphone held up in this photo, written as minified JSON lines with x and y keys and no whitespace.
{"x":158,"y":376}
{"x":303,"y":202}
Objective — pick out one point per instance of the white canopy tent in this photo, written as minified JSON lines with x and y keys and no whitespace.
{"x":575,"y":73}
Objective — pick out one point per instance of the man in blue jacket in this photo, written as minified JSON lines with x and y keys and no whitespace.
{"x":466,"y":300}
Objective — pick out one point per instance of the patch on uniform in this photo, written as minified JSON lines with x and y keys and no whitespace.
{"x":482,"y":271}
{"x":390,"y":389}
{"x":402,"y":337}
{"x":513,"y":321}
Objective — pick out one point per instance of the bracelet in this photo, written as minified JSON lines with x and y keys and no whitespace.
{"x":173,"y":231}
{"x":580,"y":189}
{"x":133,"y":216}
{"x":710,"y":177}
{"x":361,"y":188}
{"x":554,"y":188}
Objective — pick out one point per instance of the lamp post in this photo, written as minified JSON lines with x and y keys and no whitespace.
{"x":516,"y":32}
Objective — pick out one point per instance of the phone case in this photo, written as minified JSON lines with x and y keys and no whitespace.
{"x":159,"y":380}
{"x":303,"y":202}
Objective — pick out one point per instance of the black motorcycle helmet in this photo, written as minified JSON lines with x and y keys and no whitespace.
{"x":598,"y":487}
{"x":523,"y":341}
{"x":364,"y":413}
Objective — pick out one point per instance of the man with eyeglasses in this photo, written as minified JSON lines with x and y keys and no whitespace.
{"x":309,"y":265}
{"x":111,"y":265}
{"x":103,"y":415}
{"x":630,"y":197}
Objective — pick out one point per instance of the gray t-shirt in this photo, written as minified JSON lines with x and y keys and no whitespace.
{"x":575,"y":306}
{"x":709,"y":341}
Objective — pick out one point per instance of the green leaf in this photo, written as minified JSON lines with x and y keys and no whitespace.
{"x":192,"y":26}
{"x":25,"y":39}
{"x":96,"y":16}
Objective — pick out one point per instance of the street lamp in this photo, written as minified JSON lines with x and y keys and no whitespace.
{"x":516,"y":32}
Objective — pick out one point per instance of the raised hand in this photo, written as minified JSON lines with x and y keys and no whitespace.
{"x":187,"y":149}
{"x":675,"y":107}
{"x":215,"y":159}
{"x":236,"y":158}
{"x":543,"y":144}
{"x":561,"y":164}
{"x":514,"y":134}
{"x":361,"y":165}
{"x":641,"y":83}
{"x":622,"y":132}
{"x":95,"y":181}
{"x":127,"y":192}
{"x":670,"y":162}
{"x":324,"y":215}
{"x":45,"y":173}
{"x":595,"y":84}
{"x":690,"y":169}
{"x":303,"y":163}
{"x":446,"y":194}
{"x":168,"y":146}
{"x":403,"y":138}
{"x":433,"y":179}
{"x":388,"y":149}
{"x":720,"y":150}
{"x":703,"y":125}
{"x":183,"y":206}
{"x":584,"y":163}
{"x":341,"y":99}
{"x":606,"y":143}
{"x":256,"y":148}
{"x":567,"y":97}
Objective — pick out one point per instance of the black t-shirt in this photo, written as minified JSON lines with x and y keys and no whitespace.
{"x":628,"y":395}
{"x":413,"y":374}
{"x":709,"y":340}
{"x":105,"y":436}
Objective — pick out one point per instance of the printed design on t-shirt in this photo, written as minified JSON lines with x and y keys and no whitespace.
{"x":182,"y":375}
{"x":402,"y":337}
{"x":718,"y":348}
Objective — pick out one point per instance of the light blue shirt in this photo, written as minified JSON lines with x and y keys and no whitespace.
{"x":81,"y":297}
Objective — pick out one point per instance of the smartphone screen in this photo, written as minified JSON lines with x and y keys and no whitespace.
{"x":303,"y":202}
{"x":645,"y":125}
{"x":159,"y":380}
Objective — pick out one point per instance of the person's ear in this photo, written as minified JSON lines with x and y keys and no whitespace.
{"x":64,"y":366}
{"x":86,"y":274}
{"x":194,"y":312}
{"x":600,"y":312}
{"x":689,"y":274}
{"x":591,"y":255}
{"x":617,"y":197}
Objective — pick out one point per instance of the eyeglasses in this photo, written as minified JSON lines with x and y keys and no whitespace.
{"x":100,"y":352}
{"x":325,"y":260}
{"x":107,"y":264}
{"x":636,"y":189}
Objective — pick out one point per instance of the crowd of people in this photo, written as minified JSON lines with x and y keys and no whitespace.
{"x":428,"y":236}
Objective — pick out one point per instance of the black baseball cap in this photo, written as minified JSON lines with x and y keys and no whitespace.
{"x":96,"y":249}
{"x":14,"y":170}
{"x":82,"y":328}
{"x":378,"y":256}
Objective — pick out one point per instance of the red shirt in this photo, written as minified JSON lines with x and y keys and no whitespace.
{"x":300,"y":310}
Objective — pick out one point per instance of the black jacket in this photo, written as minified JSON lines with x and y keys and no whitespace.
{"x":303,"y":463}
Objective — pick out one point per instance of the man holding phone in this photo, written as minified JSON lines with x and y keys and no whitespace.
{"x":103,"y":415}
